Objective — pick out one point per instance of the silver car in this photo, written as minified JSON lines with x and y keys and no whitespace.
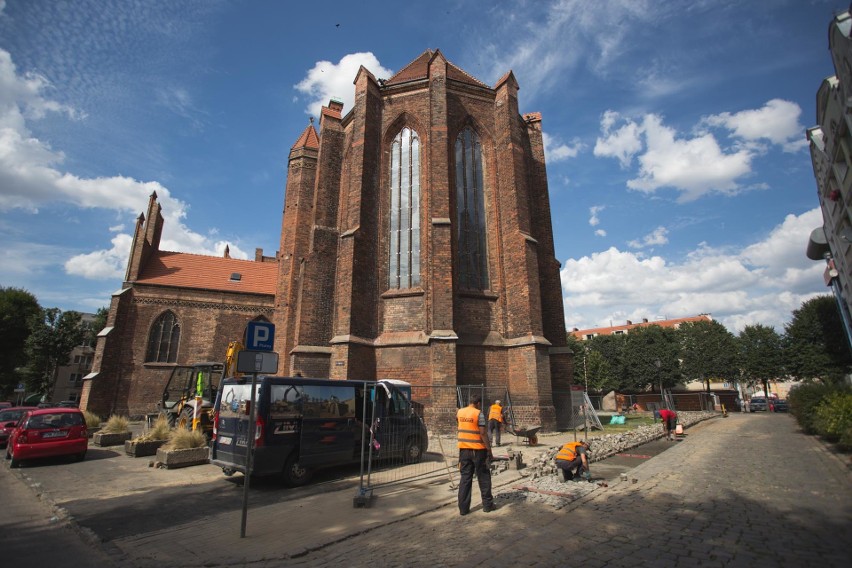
{"x":757,"y":403}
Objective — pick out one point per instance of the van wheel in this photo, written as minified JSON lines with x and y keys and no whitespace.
{"x":413,"y":451}
{"x":295,"y":474}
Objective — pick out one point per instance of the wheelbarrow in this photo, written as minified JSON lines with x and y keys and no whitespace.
{"x":531,"y":433}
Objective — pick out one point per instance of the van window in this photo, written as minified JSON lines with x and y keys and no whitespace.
{"x":328,"y":401}
{"x":234,"y":399}
{"x":285,"y":401}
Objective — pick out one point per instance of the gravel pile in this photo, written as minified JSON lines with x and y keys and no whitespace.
{"x":542,"y":482}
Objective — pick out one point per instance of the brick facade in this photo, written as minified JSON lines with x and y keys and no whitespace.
{"x":335,"y":314}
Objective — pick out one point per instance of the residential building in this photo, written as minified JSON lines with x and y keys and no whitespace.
{"x":585,"y":334}
{"x":69,"y":378}
{"x":831,"y":154}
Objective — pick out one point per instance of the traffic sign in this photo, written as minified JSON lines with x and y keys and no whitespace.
{"x":260,"y":336}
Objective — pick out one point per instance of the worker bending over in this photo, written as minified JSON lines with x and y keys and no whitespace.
{"x":573,"y":460}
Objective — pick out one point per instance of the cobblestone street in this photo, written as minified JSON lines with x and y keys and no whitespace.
{"x":747,"y":490}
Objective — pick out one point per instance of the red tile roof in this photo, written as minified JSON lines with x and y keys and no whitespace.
{"x":184,"y":270}
{"x":419,"y":69}
{"x":582,"y":333}
{"x":308,"y":139}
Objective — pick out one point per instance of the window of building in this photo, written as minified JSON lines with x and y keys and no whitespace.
{"x":76,"y":378}
{"x":404,"y":261}
{"x":470,"y":212}
{"x":163,"y":339}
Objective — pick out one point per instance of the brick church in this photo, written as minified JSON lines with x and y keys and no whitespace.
{"x":416,"y":244}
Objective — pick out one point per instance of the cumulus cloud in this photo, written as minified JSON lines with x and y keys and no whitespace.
{"x":31,"y":177}
{"x":776,"y":122}
{"x":622,"y":143}
{"x":759,"y":283}
{"x":556,"y":151}
{"x":327,"y":80}
{"x":658,"y":236}
{"x":594,"y":220}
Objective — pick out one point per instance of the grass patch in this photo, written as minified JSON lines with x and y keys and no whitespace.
{"x":92,"y":419}
{"x":180,"y":439}
{"x":116,"y":424}
{"x":631,"y":422}
{"x":160,"y":430}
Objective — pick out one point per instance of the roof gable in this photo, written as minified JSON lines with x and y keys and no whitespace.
{"x":419,"y":69}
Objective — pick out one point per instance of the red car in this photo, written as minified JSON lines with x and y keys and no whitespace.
{"x":48,"y":432}
{"x":8,"y":419}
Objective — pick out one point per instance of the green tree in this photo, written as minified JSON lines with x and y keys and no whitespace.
{"x":761,"y":355}
{"x":651,"y":358}
{"x":708,"y":351}
{"x":54,"y":334}
{"x":605,"y":362}
{"x":17,"y":308}
{"x":815,"y":345}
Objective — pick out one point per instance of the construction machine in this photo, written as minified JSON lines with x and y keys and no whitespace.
{"x":191,"y":390}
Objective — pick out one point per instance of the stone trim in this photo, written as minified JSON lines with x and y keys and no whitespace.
{"x":203,"y":305}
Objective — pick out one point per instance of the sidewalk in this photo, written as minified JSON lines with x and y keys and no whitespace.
{"x":731,"y":494}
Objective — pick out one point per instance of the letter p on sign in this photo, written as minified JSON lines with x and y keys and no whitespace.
{"x":260,"y":336}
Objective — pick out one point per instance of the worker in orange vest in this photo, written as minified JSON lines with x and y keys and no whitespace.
{"x":495,"y":422}
{"x":474,"y":456}
{"x":571,"y":456}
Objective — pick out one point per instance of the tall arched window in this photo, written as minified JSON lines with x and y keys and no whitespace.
{"x":470,"y":212}
{"x":404,"y":258}
{"x":163,"y":340}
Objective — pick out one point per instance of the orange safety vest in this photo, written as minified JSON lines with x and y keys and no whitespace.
{"x":496,"y":413}
{"x":569,"y":451}
{"x":469,"y":438}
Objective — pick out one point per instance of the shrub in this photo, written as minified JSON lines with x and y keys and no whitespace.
{"x":180,"y":439}
{"x":92,"y":419}
{"x":159,"y":431}
{"x":845,"y":442}
{"x":804,"y":400}
{"x":116,"y":424}
{"x":833,"y":417}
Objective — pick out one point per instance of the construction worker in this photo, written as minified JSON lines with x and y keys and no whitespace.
{"x":572,"y":458}
{"x":495,"y":422}
{"x":669,"y":419}
{"x":474,"y":456}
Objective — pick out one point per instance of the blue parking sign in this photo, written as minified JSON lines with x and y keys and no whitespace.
{"x":260,"y":336}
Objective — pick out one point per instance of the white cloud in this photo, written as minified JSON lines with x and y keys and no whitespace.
{"x":657,"y":237}
{"x":30,"y":177}
{"x":693,"y":166}
{"x":623,"y":143}
{"x":760,"y":283}
{"x":594,"y":220}
{"x":600,"y":233}
{"x":556,"y":151}
{"x":327,"y":80}
{"x":777,"y":122}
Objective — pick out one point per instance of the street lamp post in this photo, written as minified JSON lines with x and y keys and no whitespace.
{"x":658,"y":364}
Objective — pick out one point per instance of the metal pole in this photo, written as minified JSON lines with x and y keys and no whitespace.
{"x":249,"y":453}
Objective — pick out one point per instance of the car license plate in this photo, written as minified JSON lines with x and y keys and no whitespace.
{"x":54,"y":434}
{"x":226,"y":440}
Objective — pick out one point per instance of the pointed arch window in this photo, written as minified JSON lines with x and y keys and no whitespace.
{"x":163,"y":339}
{"x":470,"y":212}
{"x":404,"y":257}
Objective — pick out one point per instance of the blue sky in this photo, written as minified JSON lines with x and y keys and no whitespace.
{"x":680,"y":180}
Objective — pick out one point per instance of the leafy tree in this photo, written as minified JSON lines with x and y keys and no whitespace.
{"x":605,"y":362}
{"x":815,"y":345}
{"x":709,"y":351}
{"x":96,"y":326}
{"x":651,"y":358}
{"x":761,"y":355}
{"x":54,"y":334}
{"x":577,"y":348}
{"x":17,"y":308}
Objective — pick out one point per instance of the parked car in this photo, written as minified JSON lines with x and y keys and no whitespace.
{"x":48,"y":432}
{"x":8,"y":419}
{"x":5,"y":404}
{"x":779,"y":405}
{"x":757,"y":403}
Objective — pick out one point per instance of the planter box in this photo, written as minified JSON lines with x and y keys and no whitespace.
{"x":138,"y":449}
{"x":93,"y":431}
{"x":171,"y":459}
{"x":104,"y":439}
